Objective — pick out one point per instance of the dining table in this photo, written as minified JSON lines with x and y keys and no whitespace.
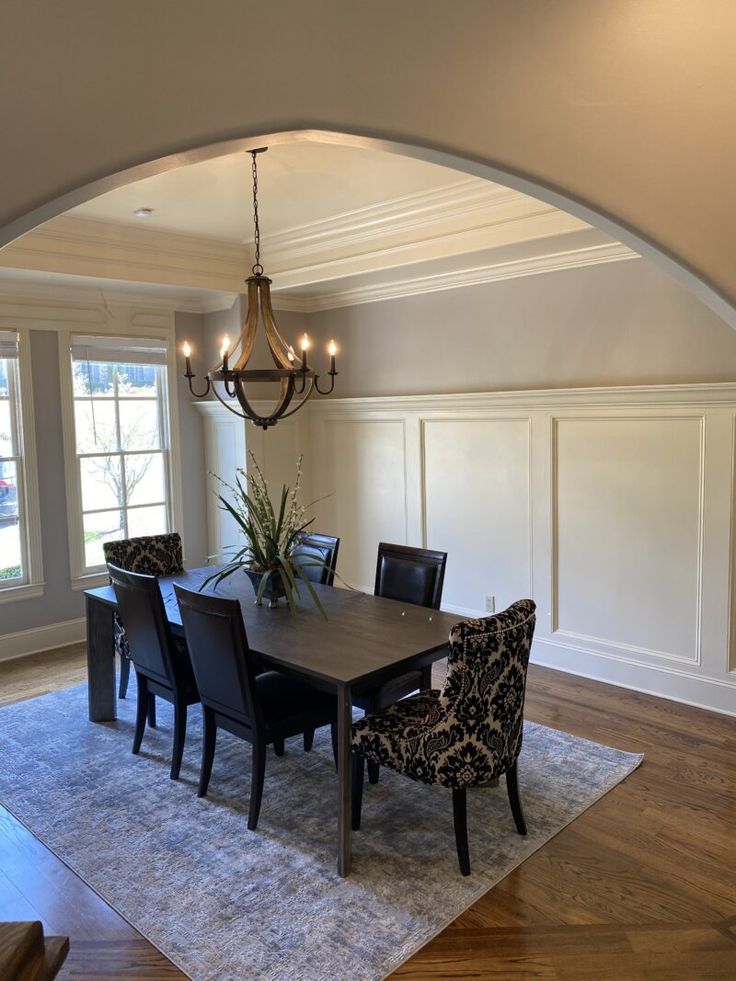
{"x":363,"y":641}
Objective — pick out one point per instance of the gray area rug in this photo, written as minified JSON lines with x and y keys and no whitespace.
{"x":225,"y":903}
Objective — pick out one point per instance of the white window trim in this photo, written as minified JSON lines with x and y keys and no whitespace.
{"x":34,"y":585}
{"x":80,"y":578}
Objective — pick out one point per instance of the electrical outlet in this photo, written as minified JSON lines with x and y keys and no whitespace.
{"x":490,"y":604}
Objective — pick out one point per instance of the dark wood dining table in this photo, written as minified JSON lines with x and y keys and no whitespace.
{"x":365,"y":641}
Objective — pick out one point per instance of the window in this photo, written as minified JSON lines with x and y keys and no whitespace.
{"x":19,"y":556}
{"x":121,"y":439}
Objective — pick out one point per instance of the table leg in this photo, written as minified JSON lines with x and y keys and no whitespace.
{"x":344,"y":779}
{"x":100,"y":662}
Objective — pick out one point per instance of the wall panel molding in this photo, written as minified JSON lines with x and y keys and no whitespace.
{"x":699,"y":422}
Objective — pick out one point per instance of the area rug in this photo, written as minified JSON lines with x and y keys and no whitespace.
{"x":225,"y":903}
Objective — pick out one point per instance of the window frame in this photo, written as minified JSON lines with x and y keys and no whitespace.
{"x":31,"y":585}
{"x":82,"y":576}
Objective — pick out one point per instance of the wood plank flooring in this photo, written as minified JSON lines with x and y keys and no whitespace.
{"x":643,"y":885}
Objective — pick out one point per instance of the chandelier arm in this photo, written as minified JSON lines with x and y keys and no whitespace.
{"x":205,"y":393}
{"x":332,"y":384}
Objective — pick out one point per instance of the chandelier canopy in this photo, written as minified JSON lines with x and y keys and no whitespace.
{"x":297,"y":381}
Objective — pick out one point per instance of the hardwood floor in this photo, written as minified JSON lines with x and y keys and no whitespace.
{"x":643,"y":885}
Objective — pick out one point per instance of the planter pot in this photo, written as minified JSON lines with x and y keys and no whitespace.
{"x":274,"y":588}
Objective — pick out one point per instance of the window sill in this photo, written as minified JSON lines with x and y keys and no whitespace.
{"x":11,"y":594}
{"x":90,"y":581}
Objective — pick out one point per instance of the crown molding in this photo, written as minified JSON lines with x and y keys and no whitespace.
{"x":457,"y":279}
{"x":467,"y":199}
{"x":462,"y":217}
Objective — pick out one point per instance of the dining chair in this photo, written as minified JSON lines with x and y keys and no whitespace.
{"x":466,"y":735}
{"x":318,"y":556}
{"x":259,"y":708}
{"x":409,"y":575}
{"x":153,"y":555}
{"x":162,"y":665}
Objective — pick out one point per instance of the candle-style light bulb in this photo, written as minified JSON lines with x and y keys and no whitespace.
{"x":187,"y":349}
{"x":224,"y":351}
{"x":305,"y":348}
{"x":290,"y":353}
{"x":332,"y":351}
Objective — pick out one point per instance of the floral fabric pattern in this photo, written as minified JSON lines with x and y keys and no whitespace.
{"x":471,"y":731}
{"x":151,"y":555}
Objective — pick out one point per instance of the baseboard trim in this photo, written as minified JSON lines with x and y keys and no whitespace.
{"x":37,"y":639}
{"x":699,"y":691}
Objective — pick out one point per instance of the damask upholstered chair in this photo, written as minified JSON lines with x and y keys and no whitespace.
{"x":152,"y":555}
{"x":469,"y":733}
{"x":162,"y":665}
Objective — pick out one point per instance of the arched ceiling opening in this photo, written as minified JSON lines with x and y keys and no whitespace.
{"x":617,"y":112}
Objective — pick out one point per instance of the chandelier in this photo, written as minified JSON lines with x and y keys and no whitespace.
{"x":296,"y":379}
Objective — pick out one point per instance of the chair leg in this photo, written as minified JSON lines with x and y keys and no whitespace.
{"x":180,"y":731}
{"x":426,"y":673}
{"x":459,"y":815}
{"x":333,"y":734}
{"x":258,"y":772}
{"x":152,"y":711}
{"x":124,"y":676}
{"x":308,"y":739}
{"x":208,"y":750}
{"x":373,"y":771}
{"x":512,"y":787}
{"x":278,"y":747}
{"x":140,"y":716}
{"x":358,"y":774}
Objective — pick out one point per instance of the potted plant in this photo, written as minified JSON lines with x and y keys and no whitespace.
{"x":270,"y":555}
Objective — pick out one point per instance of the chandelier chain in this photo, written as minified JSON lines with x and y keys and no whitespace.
{"x":257,"y":268}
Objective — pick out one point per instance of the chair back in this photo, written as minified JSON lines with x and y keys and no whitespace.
{"x":141,"y":610}
{"x":411,"y":575}
{"x":482,"y":702}
{"x":218,"y":648}
{"x":153,"y":555}
{"x":317,"y":555}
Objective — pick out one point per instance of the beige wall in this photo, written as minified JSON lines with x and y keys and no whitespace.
{"x":622,"y":105}
{"x":622,"y":323}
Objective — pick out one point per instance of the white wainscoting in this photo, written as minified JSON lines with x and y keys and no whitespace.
{"x":612,"y":508}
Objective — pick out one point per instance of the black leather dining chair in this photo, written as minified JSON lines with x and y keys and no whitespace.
{"x":317,"y":556}
{"x":153,"y":555}
{"x":409,"y":575}
{"x":161,"y":664}
{"x":259,"y":708}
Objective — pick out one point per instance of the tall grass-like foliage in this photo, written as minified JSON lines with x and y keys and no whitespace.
{"x":272,"y":535}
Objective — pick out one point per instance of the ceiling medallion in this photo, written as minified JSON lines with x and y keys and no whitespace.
{"x":296,"y":379}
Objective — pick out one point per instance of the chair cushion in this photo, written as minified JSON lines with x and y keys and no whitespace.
{"x":282,"y":698}
{"x":389,"y":737}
